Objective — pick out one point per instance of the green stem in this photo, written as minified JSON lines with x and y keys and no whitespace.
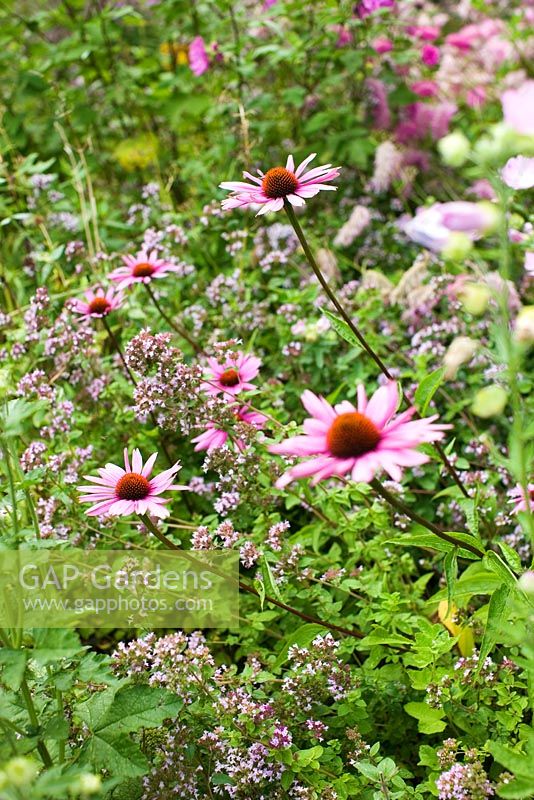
{"x":12,"y":490}
{"x":360,"y":337}
{"x":178,"y":328}
{"x":413,"y":515}
{"x":41,"y":746}
{"x":245,"y":587}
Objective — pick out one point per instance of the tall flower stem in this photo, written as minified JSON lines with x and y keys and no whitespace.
{"x":41,"y":746}
{"x":116,"y":345}
{"x":359,"y":336}
{"x":245,"y":587}
{"x":399,"y":506}
{"x":131,"y":377}
{"x":178,"y":328}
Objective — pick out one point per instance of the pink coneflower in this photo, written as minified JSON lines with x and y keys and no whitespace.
{"x":233,"y":375}
{"x":122,"y":492}
{"x":98,"y":303}
{"x":142,"y":268}
{"x":213,"y":437}
{"x":272,"y":189}
{"x":517,"y":497}
{"x":345,"y":440}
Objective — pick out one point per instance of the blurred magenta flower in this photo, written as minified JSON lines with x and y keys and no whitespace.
{"x":213,"y":437}
{"x":272,"y":189}
{"x":427,"y":33}
{"x":430,"y":55}
{"x":366,"y":7}
{"x":233,"y":375}
{"x":517,"y":497}
{"x":518,"y":172}
{"x":425,"y":88}
{"x":98,"y":303}
{"x":198,"y":57}
{"x":518,"y":108}
{"x":382,"y":45}
{"x":121,"y":492}
{"x":142,"y":268}
{"x":358,"y":441}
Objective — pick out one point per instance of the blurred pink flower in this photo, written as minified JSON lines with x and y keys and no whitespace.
{"x":213,"y":437}
{"x":430,"y":55}
{"x":121,"y":492}
{"x":425,"y":88}
{"x":366,"y":7}
{"x":427,"y":33}
{"x":97,"y":302}
{"x":280,"y":184}
{"x":432,"y":226}
{"x":529,"y":263}
{"x":518,"y":108}
{"x":483,"y":189}
{"x":518,"y":172}
{"x":358,"y":441}
{"x":476,"y":97}
{"x":198,"y":57}
{"x":233,"y":375}
{"x":344,"y":35}
{"x":142,"y":268}
{"x":517,"y":496}
{"x":382,"y":45}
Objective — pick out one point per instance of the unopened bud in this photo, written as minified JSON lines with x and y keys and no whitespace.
{"x":490,"y":401}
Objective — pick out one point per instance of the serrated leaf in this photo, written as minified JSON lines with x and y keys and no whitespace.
{"x":430,"y":720}
{"x":427,"y":389}
{"x":341,"y":328}
{"x":496,"y":612}
{"x":13,"y":666}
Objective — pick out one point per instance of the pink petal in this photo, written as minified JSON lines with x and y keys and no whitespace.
{"x":303,"y":164}
{"x":383,"y":404}
{"x":318,"y":407}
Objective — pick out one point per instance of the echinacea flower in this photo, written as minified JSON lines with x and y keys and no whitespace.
{"x":358,"y":441}
{"x":213,"y":438}
{"x":518,"y":172}
{"x":517,"y":497}
{"x":233,"y":375}
{"x":280,"y":184}
{"x":142,"y":268}
{"x":121,"y":492}
{"x":98,"y":303}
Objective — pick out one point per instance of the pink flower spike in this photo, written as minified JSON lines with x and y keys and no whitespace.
{"x":359,"y":442}
{"x":198,"y":57}
{"x":121,"y":492}
{"x":231,"y":376}
{"x":98,"y":303}
{"x":518,"y":172}
{"x":142,"y":268}
{"x":213,"y":438}
{"x":517,"y":497}
{"x":279,"y":185}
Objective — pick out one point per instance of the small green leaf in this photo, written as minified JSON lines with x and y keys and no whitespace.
{"x":427,"y":389}
{"x":341,"y":328}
